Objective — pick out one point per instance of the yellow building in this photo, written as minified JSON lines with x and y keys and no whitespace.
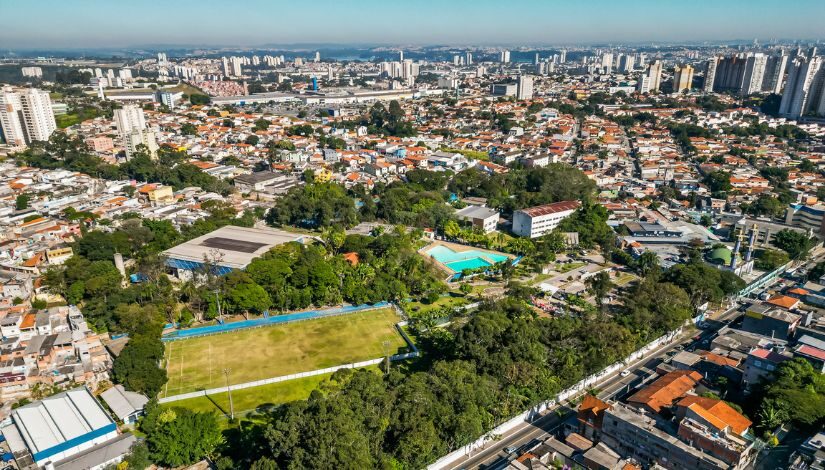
{"x":323,"y":176}
{"x":682,"y":78}
{"x":158,"y":194}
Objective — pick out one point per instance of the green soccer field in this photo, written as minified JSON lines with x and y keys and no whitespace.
{"x":273,"y":351}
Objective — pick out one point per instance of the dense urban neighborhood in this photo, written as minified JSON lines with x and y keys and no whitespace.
{"x":579,"y":257}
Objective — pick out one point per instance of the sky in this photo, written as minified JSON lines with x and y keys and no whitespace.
{"x":30,"y":24}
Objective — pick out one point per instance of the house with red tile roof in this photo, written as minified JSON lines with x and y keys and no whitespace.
{"x":665,"y":391}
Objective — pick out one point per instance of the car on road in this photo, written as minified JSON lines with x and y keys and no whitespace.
{"x":625,"y":373}
{"x":679,"y":347}
{"x":511,"y":449}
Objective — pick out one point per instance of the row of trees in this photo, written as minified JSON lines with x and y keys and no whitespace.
{"x":474,"y":374}
{"x":429,"y":199}
{"x":295,"y":276}
{"x":171,"y":166}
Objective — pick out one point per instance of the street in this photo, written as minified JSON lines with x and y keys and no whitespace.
{"x":494,"y":456}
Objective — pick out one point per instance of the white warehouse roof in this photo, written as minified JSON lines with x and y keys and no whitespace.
{"x":61,"y":422}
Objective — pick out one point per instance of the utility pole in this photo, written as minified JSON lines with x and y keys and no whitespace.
{"x":386,"y":345}
{"x":226,"y":372}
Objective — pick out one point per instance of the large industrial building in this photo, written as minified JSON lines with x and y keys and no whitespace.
{"x":57,"y":430}
{"x":226,"y":249}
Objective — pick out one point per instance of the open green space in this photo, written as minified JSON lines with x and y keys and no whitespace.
{"x":186,"y":89}
{"x":273,"y":351}
{"x":249,"y":399}
{"x":450,"y":300}
{"x":65,"y":120}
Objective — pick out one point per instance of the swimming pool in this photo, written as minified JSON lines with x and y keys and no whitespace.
{"x":460,"y":260}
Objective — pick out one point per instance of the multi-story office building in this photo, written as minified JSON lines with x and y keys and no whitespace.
{"x":34,"y":72}
{"x":607,"y":62}
{"x":653,"y":440}
{"x":654,"y":73}
{"x":468,"y":58}
{"x":810,"y":218}
{"x":26,"y":115}
{"x":774,"y":73}
{"x":525,"y":87}
{"x":710,"y":74}
{"x":643,"y":84}
{"x":11,"y":118}
{"x":682,"y":78}
{"x":754,"y":73}
{"x":536,"y":221}
{"x":729,"y":73}
{"x":131,"y":125}
{"x":745,"y":74}
{"x":504,"y":89}
{"x":504,"y":57}
{"x":235,"y":66}
{"x":626,"y":62}
{"x":805,"y":88}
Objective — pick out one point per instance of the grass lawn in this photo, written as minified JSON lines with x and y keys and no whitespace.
{"x":249,"y":399}
{"x":186,"y":89}
{"x":450,"y":300}
{"x":65,"y":120}
{"x":567,"y":267}
{"x":272,"y":351}
{"x":624,"y":279}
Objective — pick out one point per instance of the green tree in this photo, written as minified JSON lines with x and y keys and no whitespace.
{"x":718,"y":181}
{"x":768,"y":260}
{"x":796,"y":244}
{"x":139,"y":457}
{"x":647,"y":263}
{"x":261,"y":124}
{"x":187,"y":128}
{"x":599,"y":285}
{"x":22,"y":202}
{"x":797,"y":392}
{"x":184,"y":437}
{"x":137,"y":365}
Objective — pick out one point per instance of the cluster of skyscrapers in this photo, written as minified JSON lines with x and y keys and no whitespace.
{"x":805,"y":88}
{"x":26,"y":115}
{"x":755,"y":72}
{"x":133,"y":132}
{"x":746,"y":73}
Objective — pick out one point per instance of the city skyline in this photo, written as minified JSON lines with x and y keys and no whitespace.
{"x":424,"y":22}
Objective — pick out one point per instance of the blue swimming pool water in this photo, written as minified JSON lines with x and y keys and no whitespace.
{"x":474,"y":263}
{"x":461,"y":260}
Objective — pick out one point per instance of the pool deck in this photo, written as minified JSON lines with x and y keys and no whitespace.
{"x":458,"y":248}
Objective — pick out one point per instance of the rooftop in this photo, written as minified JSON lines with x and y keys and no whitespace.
{"x":666,"y":389}
{"x":476,"y":212}
{"x":57,"y":419}
{"x":123,"y":402}
{"x":553,"y":208}
{"x":231,"y":246}
{"x":719,"y":411}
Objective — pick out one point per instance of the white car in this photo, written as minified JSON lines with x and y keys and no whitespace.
{"x":625,"y":373}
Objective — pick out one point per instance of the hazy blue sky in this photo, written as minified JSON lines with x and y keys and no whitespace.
{"x":119,"y":23}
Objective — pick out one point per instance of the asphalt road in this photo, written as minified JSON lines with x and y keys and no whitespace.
{"x":525,"y":435}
